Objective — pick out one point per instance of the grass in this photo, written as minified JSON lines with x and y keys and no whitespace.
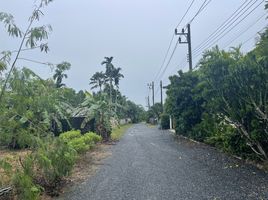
{"x":11,"y":157}
{"x":151,"y":125}
{"x":117,"y":133}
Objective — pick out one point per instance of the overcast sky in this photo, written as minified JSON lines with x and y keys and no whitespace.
{"x":135,"y":32}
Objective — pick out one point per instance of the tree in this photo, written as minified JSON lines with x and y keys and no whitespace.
{"x":33,"y":108}
{"x":117,"y":76}
{"x":109,"y":74}
{"x":30,"y":38}
{"x":59,"y":73}
{"x":238,"y":85}
{"x":183,"y":103}
{"x":98,"y":80}
{"x":95,"y":107}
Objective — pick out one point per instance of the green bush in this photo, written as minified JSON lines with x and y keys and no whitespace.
{"x":70,"y":135}
{"x":41,"y":170}
{"x":164,"y":121}
{"x":79,"y":142}
{"x":24,"y":182}
{"x":79,"y":145}
{"x":54,"y":159}
{"x":91,"y":137}
{"x":25,"y":187}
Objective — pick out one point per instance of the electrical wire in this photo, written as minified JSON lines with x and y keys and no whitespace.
{"x":220,"y":27}
{"x":170,"y":58}
{"x":185,"y":13}
{"x":224,"y":32}
{"x":203,"y":6}
{"x":244,"y":30}
{"x":223,"y":35}
{"x":38,"y":62}
{"x":170,"y":43}
{"x":246,"y":41}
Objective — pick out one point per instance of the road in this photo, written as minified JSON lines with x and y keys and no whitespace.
{"x":148,"y":164}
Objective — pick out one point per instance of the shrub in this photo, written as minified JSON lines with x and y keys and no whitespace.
{"x":91,"y":137}
{"x":79,"y":145}
{"x":52,"y":160}
{"x":79,"y":142}
{"x":165,"y":121}
{"x":25,"y":187}
{"x":70,"y":135}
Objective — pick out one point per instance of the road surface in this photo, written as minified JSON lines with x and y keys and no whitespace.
{"x":148,"y":164}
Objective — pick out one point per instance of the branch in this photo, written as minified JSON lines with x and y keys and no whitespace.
{"x":43,"y":47}
{"x":14,"y":62}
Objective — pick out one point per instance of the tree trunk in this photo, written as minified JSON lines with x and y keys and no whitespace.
{"x":110,"y":104}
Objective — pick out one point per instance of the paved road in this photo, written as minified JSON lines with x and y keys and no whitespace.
{"x":147,"y":164}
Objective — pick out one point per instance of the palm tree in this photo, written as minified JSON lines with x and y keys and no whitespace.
{"x":109,"y":73}
{"x":97,"y":80}
{"x":117,"y":76}
{"x":59,"y":75}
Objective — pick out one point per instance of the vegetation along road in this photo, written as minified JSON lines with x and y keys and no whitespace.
{"x":148,"y":164}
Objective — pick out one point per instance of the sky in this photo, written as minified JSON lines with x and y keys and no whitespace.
{"x":136,"y":33}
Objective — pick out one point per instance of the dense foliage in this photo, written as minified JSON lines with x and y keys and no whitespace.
{"x":224,"y":102}
{"x":35,"y":111}
{"x":153,"y":113}
{"x":165,"y":121}
{"x":44,"y":168}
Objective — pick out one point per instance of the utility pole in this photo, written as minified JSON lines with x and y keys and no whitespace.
{"x":161,"y":92}
{"x":148,"y":102}
{"x":151,"y":86}
{"x":188,"y":41}
{"x":153,"y":91}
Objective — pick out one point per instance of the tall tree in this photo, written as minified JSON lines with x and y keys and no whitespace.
{"x":110,"y":74}
{"x":59,"y":73}
{"x":98,"y":80}
{"x":30,"y":38}
{"x":117,"y":76}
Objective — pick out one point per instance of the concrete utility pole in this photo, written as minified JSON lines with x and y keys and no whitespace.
{"x":153,"y":91}
{"x":151,"y":86}
{"x":188,"y":41}
{"x":161,"y":92}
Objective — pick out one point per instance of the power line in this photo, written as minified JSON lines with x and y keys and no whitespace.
{"x":244,"y":30}
{"x":170,"y":43}
{"x":170,"y":58}
{"x":38,"y":62}
{"x":203,"y":6}
{"x":224,"y":32}
{"x":246,"y":41}
{"x":223,"y":25}
{"x":185,"y":13}
{"x":200,"y":10}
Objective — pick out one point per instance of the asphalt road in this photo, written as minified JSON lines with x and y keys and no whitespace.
{"x":148,"y":164}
